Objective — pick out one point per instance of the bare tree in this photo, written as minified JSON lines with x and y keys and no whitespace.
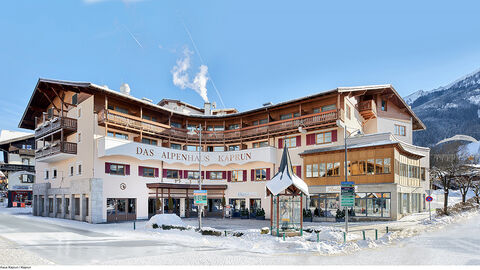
{"x":476,"y":190}
{"x":464,"y":182}
{"x":445,"y":173}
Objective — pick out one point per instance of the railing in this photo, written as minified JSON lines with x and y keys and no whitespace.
{"x":367,"y":105}
{"x":56,"y":148}
{"x":55,"y":124}
{"x":130,"y":121}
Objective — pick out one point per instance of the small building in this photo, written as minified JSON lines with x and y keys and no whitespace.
{"x":286,"y":191}
{"x":18,"y":166}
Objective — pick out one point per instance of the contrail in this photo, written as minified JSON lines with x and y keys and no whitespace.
{"x":133,"y":36}
{"x":201,"y":59}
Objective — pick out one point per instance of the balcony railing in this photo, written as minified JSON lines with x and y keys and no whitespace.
{"x":56,"y":148}
{"x":55,"y":124}
{"x":130,"y":121}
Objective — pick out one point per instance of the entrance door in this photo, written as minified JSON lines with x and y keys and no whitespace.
{"x":214,"y":208}
{"x":121,"y":209}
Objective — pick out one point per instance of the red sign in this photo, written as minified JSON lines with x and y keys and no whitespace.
{"x":429,"y":199}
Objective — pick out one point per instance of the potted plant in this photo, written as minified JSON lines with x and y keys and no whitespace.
{"x":253,"y":213}
{"x":340,"y":215}
{"x":244,"y":214}
{"x":307,"y":215}
{"x":260,"y":214}
{"x":170,"y":205}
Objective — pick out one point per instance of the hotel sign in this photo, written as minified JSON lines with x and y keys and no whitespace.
{"x":112,"y":146}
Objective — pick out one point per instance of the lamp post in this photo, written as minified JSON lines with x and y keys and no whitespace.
{"x":345,"y":137}
{"x":200,"y":207}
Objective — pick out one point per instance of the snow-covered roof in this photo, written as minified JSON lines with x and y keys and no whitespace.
{"x":285,"y":177}
{"x":7,"y":136}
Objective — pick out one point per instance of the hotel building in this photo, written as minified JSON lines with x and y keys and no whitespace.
{"x":106,"y":156}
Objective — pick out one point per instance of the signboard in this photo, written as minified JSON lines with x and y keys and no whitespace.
{"x":336,"y":189}
{"x":428,"y":191}
{"x":347,"y":194}
{"x":200,"y":197}
{"x":429,"y":199}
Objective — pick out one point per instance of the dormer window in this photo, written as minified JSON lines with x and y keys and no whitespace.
{"x":384,"y":105}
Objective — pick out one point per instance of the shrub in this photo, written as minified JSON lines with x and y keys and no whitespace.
{"x":155,"y":225}
{"x":340,"y":214}
{"x":170,"y":227}
{"x":265,"y":230}
{"x":260,"y":212}
{"x":307,"y":213}
{"x":237,"y":234}
{"x":211,"y":232}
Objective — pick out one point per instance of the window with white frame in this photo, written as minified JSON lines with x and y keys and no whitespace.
{"x":290,"y":142}
{"x":237,"y":176}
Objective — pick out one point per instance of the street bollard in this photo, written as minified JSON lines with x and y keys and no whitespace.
{"x":225,"y":233}
{"x":387,"y":229}
{"x":376,"y":234}
{"x":318,"y":238}
{"x":134,"y":225}
{"x":363,"y":232}
{"x":283,"y":236}
{"x":344,"y":237}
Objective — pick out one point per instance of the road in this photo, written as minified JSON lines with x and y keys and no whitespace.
{"x":454,"y":244}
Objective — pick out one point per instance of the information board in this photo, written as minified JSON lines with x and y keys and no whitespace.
{"x":200,"y":197}
{"x":347,"y":194}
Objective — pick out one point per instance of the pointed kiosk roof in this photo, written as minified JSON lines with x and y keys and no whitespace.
{"x":286,"y":178}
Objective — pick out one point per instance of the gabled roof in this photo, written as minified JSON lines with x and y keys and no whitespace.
{"x":285,"y":177}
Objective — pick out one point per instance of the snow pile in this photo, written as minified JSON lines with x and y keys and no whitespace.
{"x":165,"y":219}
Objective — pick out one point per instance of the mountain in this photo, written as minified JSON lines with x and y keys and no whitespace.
{"x":448,"y":110}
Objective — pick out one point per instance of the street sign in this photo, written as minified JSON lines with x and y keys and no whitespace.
{"x":429,"y":199}
{"x":200,"y":197}
{"x":347,"y":194}
{"x":428,"y":191}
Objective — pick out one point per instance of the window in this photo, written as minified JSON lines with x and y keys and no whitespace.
{"x":260,"y":144}
{"x":191,"y":127}
{"x":358,"y":167}
{"x":349,"y":112}
{"x":315,"y":170}
{"x":118,"y":169}
{"x":259,"y":122}
{"x":175,"y":146}
{"x":118,"y":109}
{"x":77,"y":206}
{"x":192,"y":148}
{"x":386,"y":165}
{"x":322,"y":170}
{"x":175,"y":125}
{"x":25,"y":161}
{"x":400,"y":130}
{"x":149,"y":141}
{"x":79,"y":169}
{"x":422,"y":170}
{"x":328,"y":108}
{"x":260,"y":175}
{"x":379,"y":166}
{"x":219,"y":128}
{"x":173,"y":174}
{"x":329,"y":169}
{"x":216,"y":175}
{"x":148,"y":172}
{"x":370,"y":166}
{"x":316,"y":110}
{"x":71,"y":170}
{"x":237,"y":176}
{"x":46,"y":174}
{"x":234,"y":126}
{"x":233,"y":148}
{"x":193,"y":175}
{"x":384,"y":105}
{"x":324,"y":137}
{"x":290,"y":142}
{"x":117,"y":135}
{"x":286,"y":116}
{"x":54,"y":173}
{"x":309,"y":170}
{"x":79,"y":112}
{"x":50,"y":113}
{"x":150,"y":118}
{"x":26,"y":178}
{"x":215,"y":148}
{"x":75,"y":99}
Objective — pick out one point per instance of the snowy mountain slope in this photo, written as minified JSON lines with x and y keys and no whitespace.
{"x":449,"y":110}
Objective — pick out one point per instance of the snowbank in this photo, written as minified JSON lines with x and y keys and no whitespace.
{"x":165,"y":219}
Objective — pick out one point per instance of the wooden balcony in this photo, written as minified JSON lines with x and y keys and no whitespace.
{"x":130,"y":122}
{"x":367,"y":109}
{"x":69,"y":125}
{"x":56,"y":151}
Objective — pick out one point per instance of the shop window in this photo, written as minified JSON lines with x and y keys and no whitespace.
{"x":131,"y":206}
{"x":260,"y":174}
{"x":370,"y":166}
{"x":59,"y":205}
{"x":67,"y":206}
{"x":77,"y":206}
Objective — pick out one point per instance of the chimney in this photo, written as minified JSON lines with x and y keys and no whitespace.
{"x":208,"y":108}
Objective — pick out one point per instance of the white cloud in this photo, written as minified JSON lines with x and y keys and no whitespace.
{"x":182,"y":80}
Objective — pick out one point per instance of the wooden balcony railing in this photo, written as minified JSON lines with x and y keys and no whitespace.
{"x":367,"y":108}
{"x":56,"y":148}
{"x":57,"y":123}
{"x":130,"y":121}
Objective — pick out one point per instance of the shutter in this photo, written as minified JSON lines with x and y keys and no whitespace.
{"x":252,"y":175}
{"x":164,"y":173}
{"x":334,"y":135}
{"x":229,"y":176}
{"x":127,"y":169}
{"x":299,"y":141}
{"x":268,"y":173}
{"x":224,"y":175}
{"x":244,"y":175}
{"x":202,"y":175}
{"x":299,"y":171}
{"x":156,"y":172}
{"x":107,"y":167}
{"x":311,"y":139}
{"x":208,"y":175}
{"x":280,"y":143}
{"x":140,"y":171}
{"x":185,"y":174}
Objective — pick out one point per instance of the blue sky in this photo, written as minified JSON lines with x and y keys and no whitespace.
{"x":256,"y":51}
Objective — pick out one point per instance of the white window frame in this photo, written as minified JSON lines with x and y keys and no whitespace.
{"x":77,"y":166}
